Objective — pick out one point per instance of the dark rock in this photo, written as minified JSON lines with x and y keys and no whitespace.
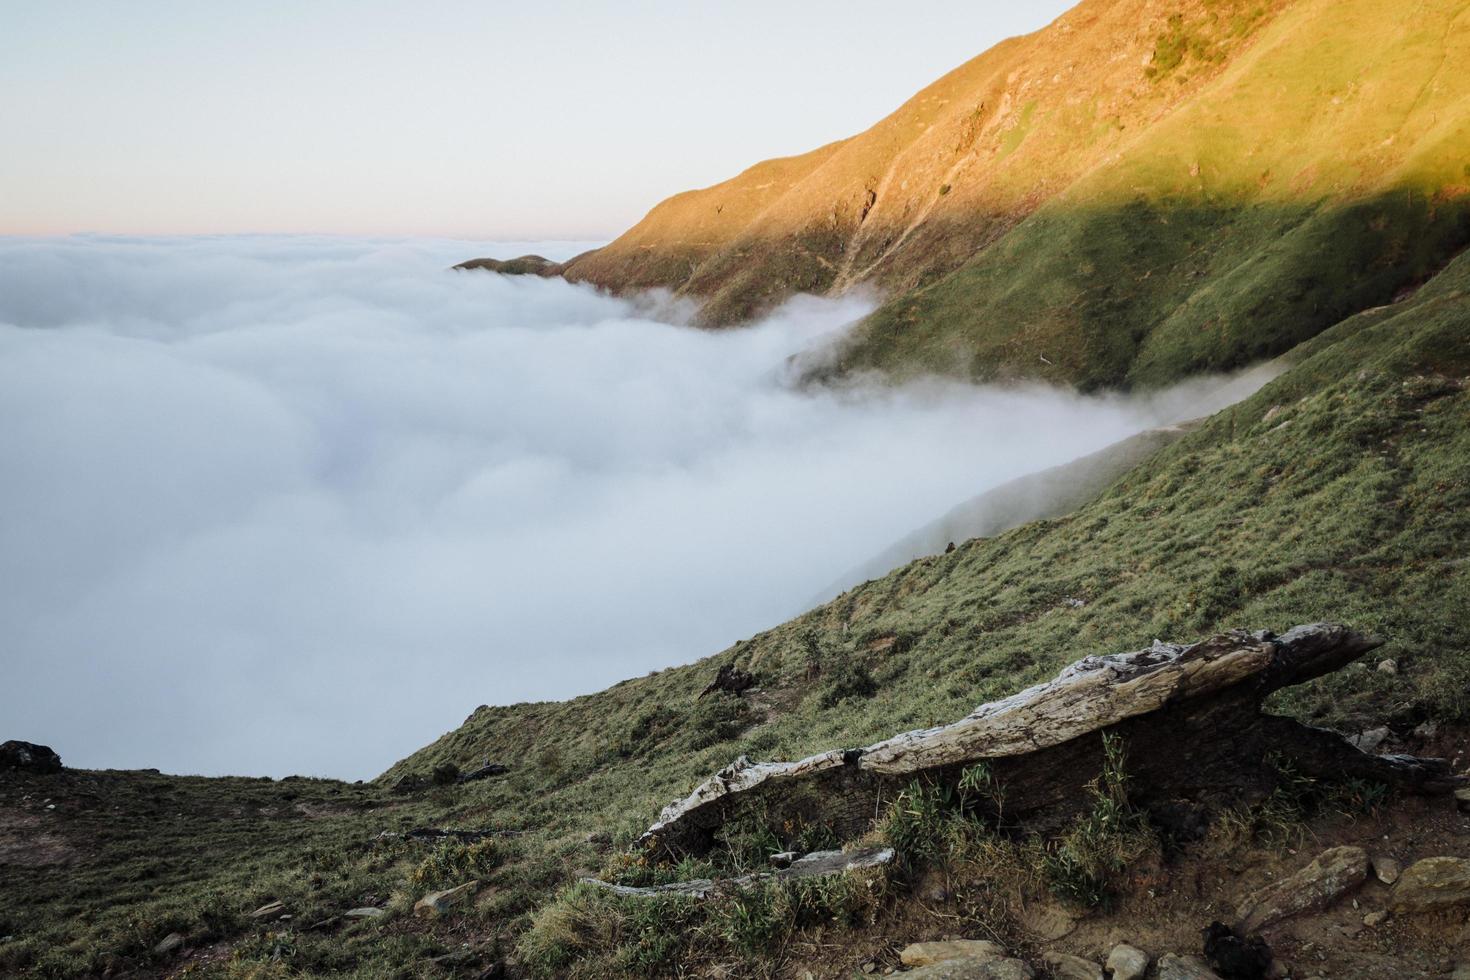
{"x":29,"y":757}
{"x":446,"y":774}
{"x":1233,"y":957}
{"x":730,"y":679}
{"x":484,"y":772}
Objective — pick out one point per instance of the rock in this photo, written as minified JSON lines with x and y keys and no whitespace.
{"x":923,"y":954}
{"x":1333,"y":874}
{"x":971,"y":968}
{"x":1388,"y":667}
{"x":445,"y":774}
{"x":269,"y":910}
{"x":782,"y":859}
{"x":29,"y":757}
{"x":1386,"y":869}
{"x":439,"y":903}
{"x":410,"y":783}
{"x":731,"y":680}
{"x":1047,"y":923}
{"x":1237,"y":957}
{"x":168,"y":944}
{"x":1067,"y":967}
{"x":366,"y":912}
{"x":484,"y":772}
{"x":1374,"y":919}
{"x":1462,"y":799}
{"x":1427,"y":730}
{"x":1173,"y":967}
{"x":1370,"y":740}
{"x":1432,"y":884}
{"x":1127,"y":962}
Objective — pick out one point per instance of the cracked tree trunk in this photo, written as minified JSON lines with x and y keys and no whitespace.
{"x":1189,"y":717}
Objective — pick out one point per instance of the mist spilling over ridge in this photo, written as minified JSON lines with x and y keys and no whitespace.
{"x":280,"y":505}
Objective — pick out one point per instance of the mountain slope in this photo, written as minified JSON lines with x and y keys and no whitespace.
{"x":1139,"y":191}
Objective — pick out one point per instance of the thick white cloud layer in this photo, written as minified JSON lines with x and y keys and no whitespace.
{"x":298,"y":505}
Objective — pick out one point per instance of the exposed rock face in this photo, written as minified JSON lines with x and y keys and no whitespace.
{"x":1433,"y":884}
{"x":818,"y":864}
{"x":923,"y":954}
{"x":1196,"y":707}
{"x":29,"y":757}
{"x":1317,"y":886}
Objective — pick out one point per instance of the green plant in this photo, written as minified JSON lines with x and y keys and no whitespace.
{"x":1082,"y":864}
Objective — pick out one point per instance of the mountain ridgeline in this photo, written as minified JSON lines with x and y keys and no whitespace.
{"x":1139,"y":191}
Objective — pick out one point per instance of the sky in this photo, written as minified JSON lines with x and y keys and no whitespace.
{"x":286,"y":504}
{"x":483,"y":119}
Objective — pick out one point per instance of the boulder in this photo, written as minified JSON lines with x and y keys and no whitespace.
{"x":269,"y":910}
{"x":1333,"y":874}
{"x":924,"y":954}
{"x":1375,"y":919}
{"x":1173,"y":967}
{"x":29,"y":757}
{"x":1386,"y":869}
{"x":1432,"y":884}
{"x":972,"y":968}
{"x":1127,"y":962}
{"x":439,"y":903}
{"x":1064,"y":966}
{"x":168,"y":944}
{"x":366,"y":912}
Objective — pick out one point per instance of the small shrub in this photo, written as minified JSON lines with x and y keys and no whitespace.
{"x":453,"y":863}
{"x":847,"y":679}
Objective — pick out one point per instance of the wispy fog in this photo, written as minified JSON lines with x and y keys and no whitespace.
{"x":299,"y":505}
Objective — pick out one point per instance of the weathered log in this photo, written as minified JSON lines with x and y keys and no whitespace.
{"x":1190,"y":716}
{"x":818,"y":864}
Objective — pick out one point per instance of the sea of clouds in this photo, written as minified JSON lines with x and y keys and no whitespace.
{"x":275,"y":505}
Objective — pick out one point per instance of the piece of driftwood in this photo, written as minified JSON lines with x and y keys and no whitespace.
{"x":818,"y":864}
{"x":1189,"y":717}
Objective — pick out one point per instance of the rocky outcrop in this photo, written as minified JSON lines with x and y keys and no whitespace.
{"x":818,"y":864}
{"x":29,"y":757}
{"x":1316,"y":887}
{"x":1197,"y":707}
{"x":1433,"y":884}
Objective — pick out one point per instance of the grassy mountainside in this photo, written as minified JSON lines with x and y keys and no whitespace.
{"x":1341,"y":490}
{"x":1137,"y":192}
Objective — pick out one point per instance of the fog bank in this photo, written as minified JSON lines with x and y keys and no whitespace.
{"x":277,"y":505}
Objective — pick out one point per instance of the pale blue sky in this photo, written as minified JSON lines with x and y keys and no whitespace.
{"x":476,"y":119}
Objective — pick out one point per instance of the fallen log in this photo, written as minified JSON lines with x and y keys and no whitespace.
{"x":818,"y":864}
{"x":1190,"y":717}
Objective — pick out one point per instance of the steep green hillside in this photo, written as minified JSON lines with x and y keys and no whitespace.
{"x":1137,"y":192}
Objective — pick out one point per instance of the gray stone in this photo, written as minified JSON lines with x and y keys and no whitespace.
{"x":1374,"y":919}
{"x":1333,"y":874}
{"x":439,"y":903}
{"x":1388,"y":667}
{"x":974,"y":969}
{"x":1173,"y":967}
{"x":366,"y":912}
{"x":270,"y":910}
{"x":1067,"y":967}
{"x":1370,"y":740}
{"x":1127,"y":962}
{"x":924,"y":954}
{"x":1386,"y":869}
{"x":168,"y":944}
{"x":1432,"y":884}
